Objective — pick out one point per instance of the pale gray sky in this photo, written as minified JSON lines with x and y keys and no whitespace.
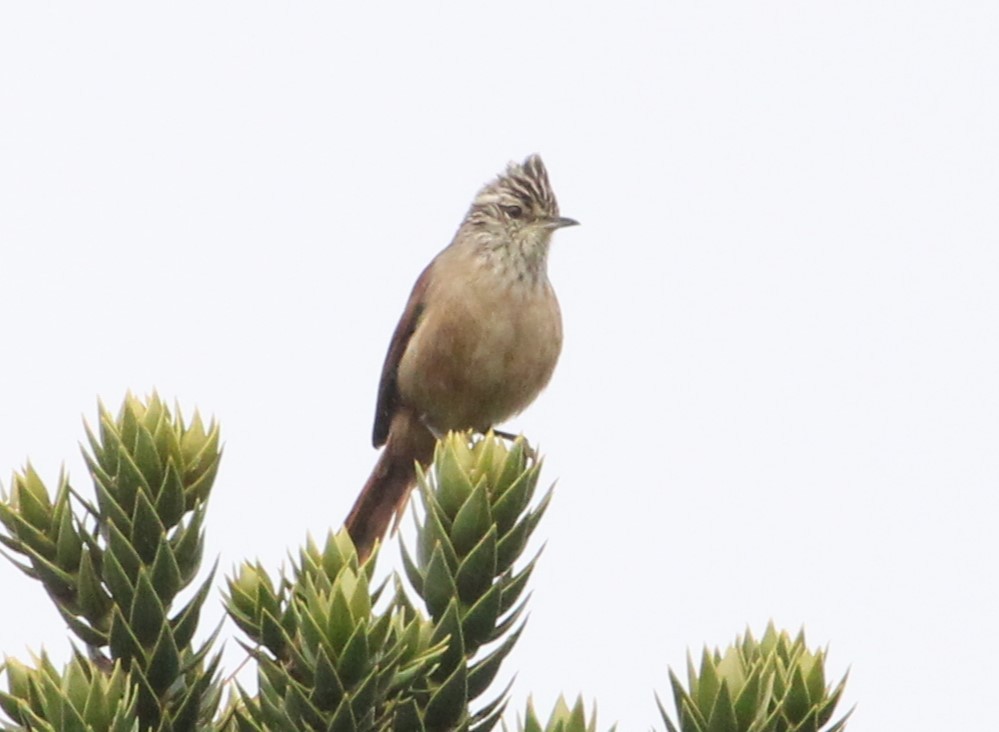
{"x":778,"y":396}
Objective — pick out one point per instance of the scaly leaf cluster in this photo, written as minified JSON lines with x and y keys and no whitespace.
{"x":325,"y":660}
{"x":562,"y":719}
{"x":774,"y":684}
{"x":477,"y":522}
{"x":114,"y":567}
{"x":82,"y":697}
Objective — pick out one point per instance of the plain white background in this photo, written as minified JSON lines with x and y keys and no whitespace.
{"x":778,"y":395}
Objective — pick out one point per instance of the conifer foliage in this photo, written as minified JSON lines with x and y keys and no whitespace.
{"x":331,"y":645}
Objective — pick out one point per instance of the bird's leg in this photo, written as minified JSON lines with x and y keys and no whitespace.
{"x":529,"y":450}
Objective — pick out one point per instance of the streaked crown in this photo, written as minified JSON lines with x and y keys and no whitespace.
{"x":511,"y":222}
{"x":522,"y":193}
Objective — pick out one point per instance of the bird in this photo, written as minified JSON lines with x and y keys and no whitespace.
{"x":477,"y":342}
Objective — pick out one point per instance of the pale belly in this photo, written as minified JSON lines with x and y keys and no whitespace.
{"x":482,"y":361}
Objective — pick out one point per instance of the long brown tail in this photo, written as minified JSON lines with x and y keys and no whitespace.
{"x":388,"y":487}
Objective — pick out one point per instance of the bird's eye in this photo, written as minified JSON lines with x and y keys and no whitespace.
{"x":514,"y":212}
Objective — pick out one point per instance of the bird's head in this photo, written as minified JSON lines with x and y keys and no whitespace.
{"x":517,"y":212}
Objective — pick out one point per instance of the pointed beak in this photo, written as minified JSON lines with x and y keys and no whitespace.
{"x":560,"y":222}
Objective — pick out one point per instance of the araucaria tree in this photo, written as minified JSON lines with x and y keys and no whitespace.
{"x":332,"y":646}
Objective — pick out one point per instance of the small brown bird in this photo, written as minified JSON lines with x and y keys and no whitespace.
{"x":477,"y":342}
